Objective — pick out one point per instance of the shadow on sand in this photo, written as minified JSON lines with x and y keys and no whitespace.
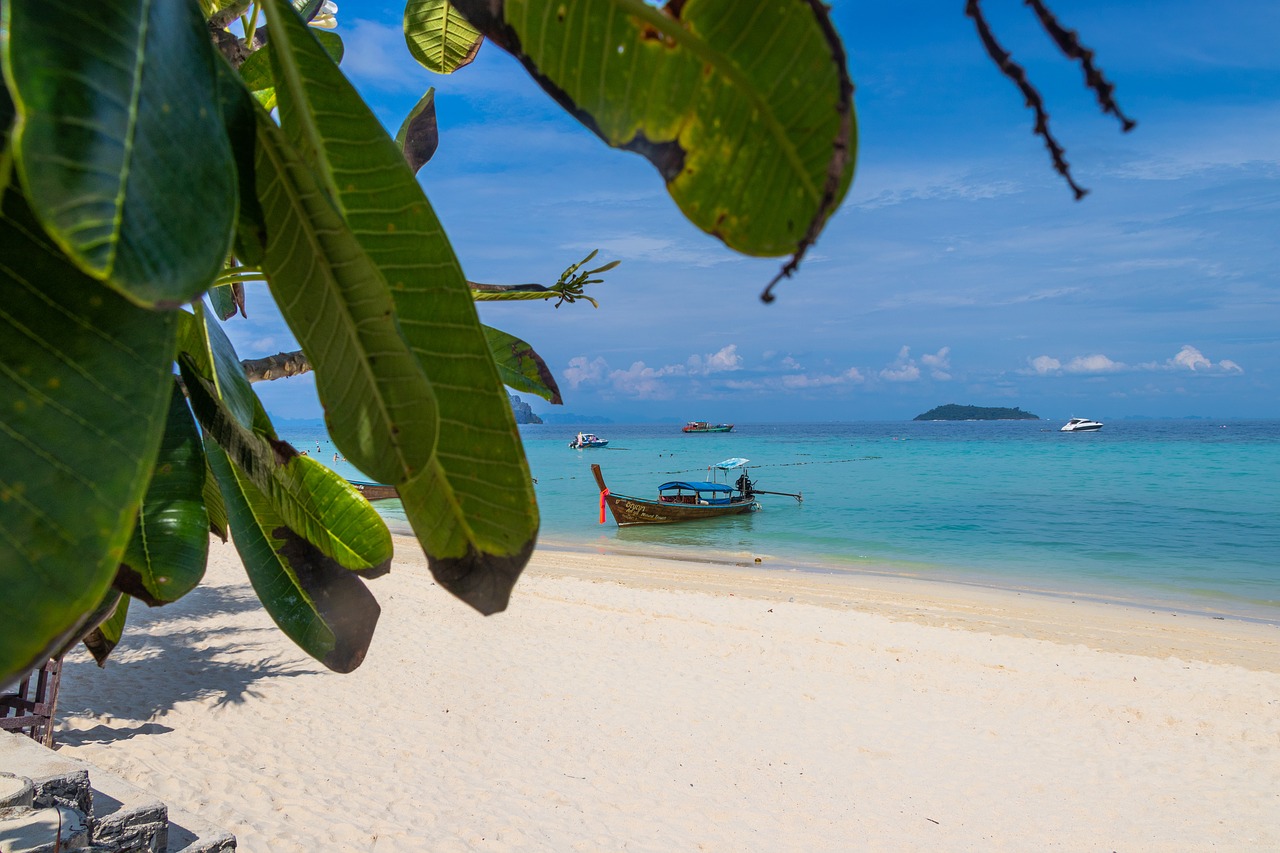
{"x":172,"y":654}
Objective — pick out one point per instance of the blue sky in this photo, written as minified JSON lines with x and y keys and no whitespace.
{"x":959,"y":268}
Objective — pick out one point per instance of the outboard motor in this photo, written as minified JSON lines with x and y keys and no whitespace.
{"x":745,"y":485}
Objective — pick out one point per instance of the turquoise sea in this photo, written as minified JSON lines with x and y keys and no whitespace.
{"x":1181,"y":514}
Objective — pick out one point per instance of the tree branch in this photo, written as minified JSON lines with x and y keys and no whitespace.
{"x":1015,"y":72}
{"x":276,"y":366}
{"x":1068,"y":42}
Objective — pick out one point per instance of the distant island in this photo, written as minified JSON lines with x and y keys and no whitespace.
{"x":953,"y":412}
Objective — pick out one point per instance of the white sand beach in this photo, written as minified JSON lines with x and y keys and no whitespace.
{"x":642,"y":704}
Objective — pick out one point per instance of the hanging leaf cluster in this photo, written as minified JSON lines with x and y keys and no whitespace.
{"x":154,"y":157}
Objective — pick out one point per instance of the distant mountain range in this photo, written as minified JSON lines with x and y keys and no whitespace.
{"x":954,"y":412}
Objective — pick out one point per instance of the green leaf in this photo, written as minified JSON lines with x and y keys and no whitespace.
{"x":214,"y":504}
{"x":520,"y":367}
{"x":119,"y":130}
{"x":256,"y":70}
{"x":419,"y":136}
{"x":7,"y":116}
{"x":85,"y":379}
{"x":319,"y":605}
{"x":747,"y":115}
{"x":472,"y":505}
{"x":216,"y":360}
{"x":307,"y":8}
{"x":166,"y":555}
{"x":242,"y":135}
{"x":102,"y":640}
{"x":379,"y":407}
{"x":312,"y":500}
{"x":321,"y":505}
{"x":439,"y":37}
{"x":223,"y":300}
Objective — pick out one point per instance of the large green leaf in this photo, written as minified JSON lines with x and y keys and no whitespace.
{"x":214,"y":504}
{"x":85,"y":379}
{"x":239,"y":117}
{"x":472,"y":506}
{"x":319,"y":605}
{"x":379,"y":407}
{"x":520,"y":367}
{"x":311,"y":499}
{"x":119,"y":130}
{"x":6,"y":130}
{"x":438,"y":36}
{"x":166,"y":555}
{"x":216,"y":360}
{"x":745,"y":110}
{"x":320,"y":505}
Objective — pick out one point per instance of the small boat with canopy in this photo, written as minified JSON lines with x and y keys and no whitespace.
{"x":706,"y":426}
{"x":686,"y":500}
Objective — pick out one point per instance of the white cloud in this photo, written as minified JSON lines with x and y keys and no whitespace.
{"x":1190,"y":358}
{"x":642,"y":381}
{"x":1044,"y":365}
{"x":581,"y":371}
{"x":903,"y":368}
{"x":791,"y":364}
{"x":645,"y":382}
{"x":939,"y":364}
{"x":822,"y":380}
{"x":718,"y":362}
{"x":1096,"y":363}
{"x":1187,"y":358}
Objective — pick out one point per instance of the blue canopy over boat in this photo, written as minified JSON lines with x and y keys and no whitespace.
{"x":695,"y":486}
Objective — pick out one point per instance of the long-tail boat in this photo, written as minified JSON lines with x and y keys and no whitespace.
{"x":706,"y":426}
{"x":684,"y":500}
{"x":375,"y":491}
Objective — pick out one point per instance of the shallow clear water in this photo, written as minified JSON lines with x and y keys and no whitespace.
{"x":1175,"y":512}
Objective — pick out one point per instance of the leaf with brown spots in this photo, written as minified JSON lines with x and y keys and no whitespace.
{"x":746,"y":110}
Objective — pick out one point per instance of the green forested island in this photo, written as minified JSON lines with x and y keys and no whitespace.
{"x":953,"y":412}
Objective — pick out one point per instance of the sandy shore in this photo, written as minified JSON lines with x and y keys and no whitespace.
{"x":640,"y":704}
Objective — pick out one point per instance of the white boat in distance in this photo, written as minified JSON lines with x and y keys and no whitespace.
{"x":1080,"y":425}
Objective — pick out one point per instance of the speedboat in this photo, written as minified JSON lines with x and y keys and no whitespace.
{"x":585,"y":439}
{"x":1080,"y":425}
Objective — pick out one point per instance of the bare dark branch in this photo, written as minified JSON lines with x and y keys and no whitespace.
{"x":276,"y":366}
{"x":1015,"y":72}
{"x":1068,"y":42}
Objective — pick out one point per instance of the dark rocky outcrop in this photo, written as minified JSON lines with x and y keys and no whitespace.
{"x":524,"y":414}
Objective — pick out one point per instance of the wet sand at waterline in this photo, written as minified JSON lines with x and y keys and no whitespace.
{"x":643,"y":704}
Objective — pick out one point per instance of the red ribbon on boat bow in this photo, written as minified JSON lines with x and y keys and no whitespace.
{"x":603,"y":494}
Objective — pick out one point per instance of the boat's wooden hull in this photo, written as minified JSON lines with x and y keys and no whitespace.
{"x":375,"y":491}
{"x":629,"y":510}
